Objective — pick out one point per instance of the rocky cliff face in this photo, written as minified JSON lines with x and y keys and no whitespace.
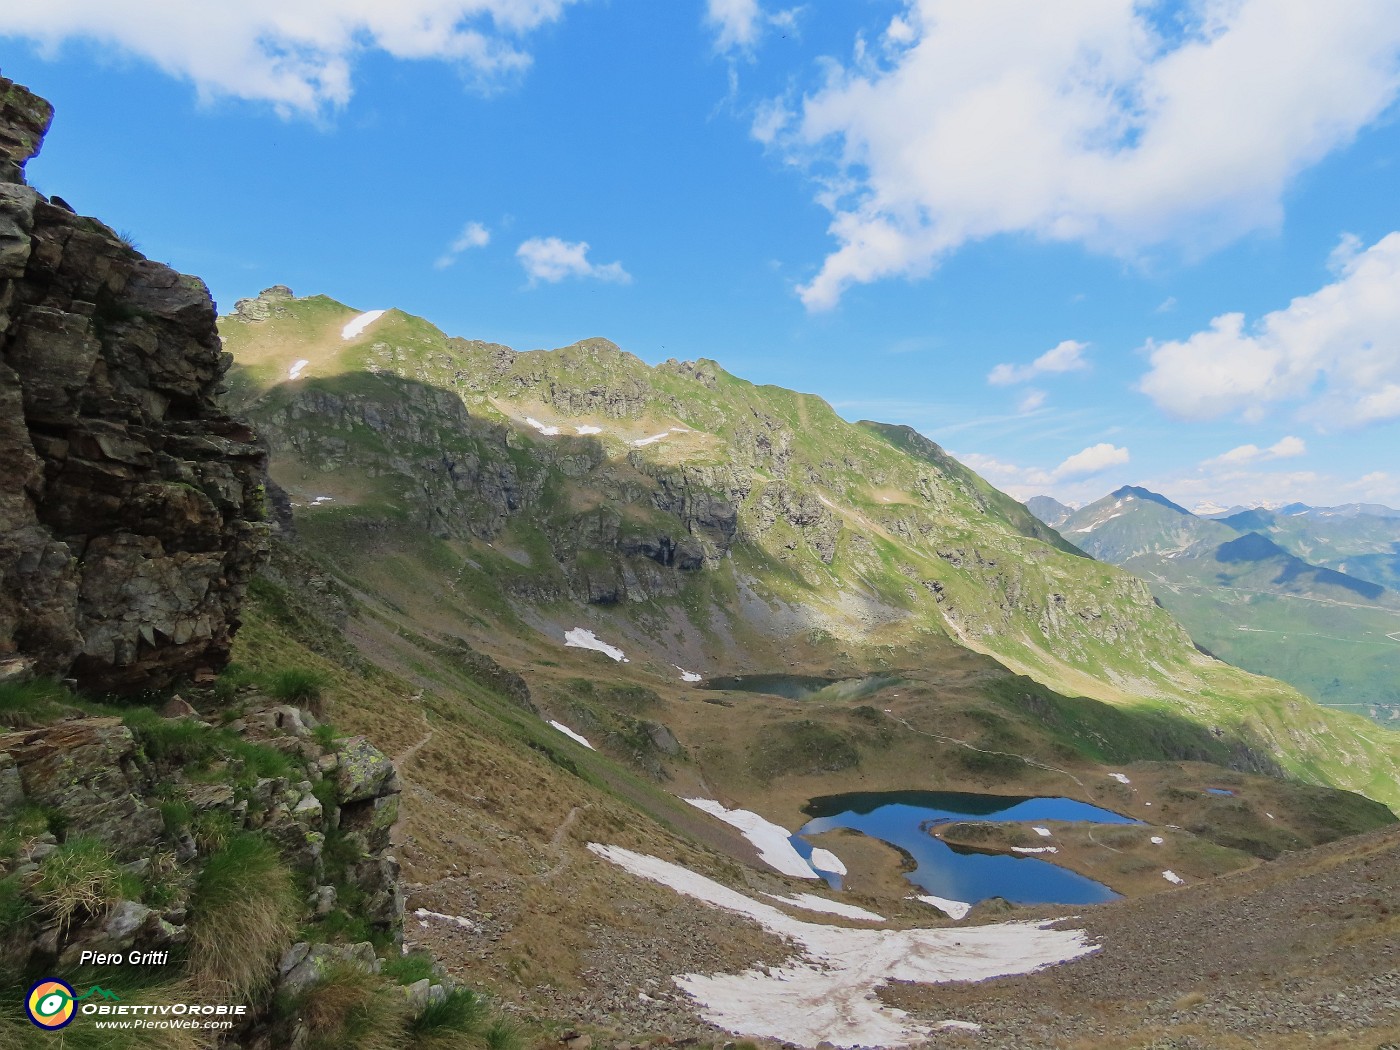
{"x":131,"y":504}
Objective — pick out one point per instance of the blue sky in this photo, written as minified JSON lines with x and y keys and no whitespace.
{"x":1079,"y":244}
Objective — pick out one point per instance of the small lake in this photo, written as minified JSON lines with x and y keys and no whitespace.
{"x":901,"y":818}
{"x":801,"y":687}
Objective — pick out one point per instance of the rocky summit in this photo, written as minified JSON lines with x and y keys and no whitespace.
{"x":131,"y":505}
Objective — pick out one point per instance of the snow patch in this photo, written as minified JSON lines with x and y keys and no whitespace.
{"x":1120,"y":778}
{"x":960,"y":1026}
{"x":578,"y":638}
{"x":1157,"y":840}
{"x":543,"y":428}
{"x":811,"y":902}
{"x":827,"y":994}
{"x":1042,"y":832}
{"x":572,"y":735}
{"x":825,"y":860}
{"x":356,"y":325}
{"x":321,"y":499}
{"x":295,"y":371}
{"x":1035,"y":849}
{"x":424,"y":914}
{"x":771,"y":840}
{"x":643,"y":442}
{"x":687,"y":676}
{"x":955,"y":910}
{"x":589,"y":428}
{"x":1173,"y":878}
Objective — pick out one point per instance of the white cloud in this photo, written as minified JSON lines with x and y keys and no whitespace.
{"x":1336,"y":352}
{"x":1093,"y":460}
{"x":1082,"y":122}
{"x":1285,"y":448}
{"x":1067,"y":356}
{"x":1024,"y":482}
{"x":296,"y":54}
{"x":736,"y":23}
{"x":1030,"y":401}
{"x":740,"y":24}
{"x":473,"y":235}
{"x":550,"y":259}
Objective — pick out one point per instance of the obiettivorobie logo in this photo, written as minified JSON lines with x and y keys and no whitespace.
{"x":52,"y":1003}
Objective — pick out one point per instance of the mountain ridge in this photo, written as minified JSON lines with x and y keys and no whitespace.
{"x":596,"y":469}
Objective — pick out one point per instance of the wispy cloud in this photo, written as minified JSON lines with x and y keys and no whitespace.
{"x":550,"y":259}
{"x":473,"y":235}
{"x":1284,"y":448}
{"x":739,"y":25}
{"x":1066,"y":356}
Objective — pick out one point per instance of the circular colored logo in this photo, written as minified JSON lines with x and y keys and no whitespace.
{"x":50,"y":1003}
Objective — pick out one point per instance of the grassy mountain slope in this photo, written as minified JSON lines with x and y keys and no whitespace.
{"x":1252,"y":602}
{"x":699,"y":521}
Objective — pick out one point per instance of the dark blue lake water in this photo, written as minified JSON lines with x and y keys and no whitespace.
{"x":901,"y":818}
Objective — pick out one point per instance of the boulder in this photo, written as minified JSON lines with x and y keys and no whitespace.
{"x":362,"y":771}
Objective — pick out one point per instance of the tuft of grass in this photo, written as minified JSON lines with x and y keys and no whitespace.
{"x":261,"y":760}
{"x":212,"y":830}
{"x":410,"y":968}
{"x":244,"y":913}
{"x":326,"y":735}
{"x":297,"y":685}
{"x":232,"y":681}
{"x":352,"y":1010}
{"x":171,"y":741}
{"x":504,"y":1034}
{"x":15,"y":907}
{"x":80,"y":879}
{"x":461,"y":1010}
{"x":176,"y":814}
{"x":28,"y":704}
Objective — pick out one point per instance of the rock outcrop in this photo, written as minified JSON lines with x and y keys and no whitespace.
{"x":131,"y":506}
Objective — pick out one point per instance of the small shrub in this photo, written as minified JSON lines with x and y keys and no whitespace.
{"x":352,"y":1010}
{"x":80,"y":878}
{"x":244,"y":913}
{"x":297,"y":685}
{"x":461,"y":1010}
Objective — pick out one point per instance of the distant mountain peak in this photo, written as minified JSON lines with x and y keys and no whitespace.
{"x":1141,"y":493}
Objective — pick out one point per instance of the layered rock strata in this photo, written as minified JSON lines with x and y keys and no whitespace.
{"x":131,"y":504}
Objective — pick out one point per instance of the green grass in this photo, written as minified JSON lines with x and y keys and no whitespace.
{"x":35,"y":702}
{"x":243,"y":915}
{"x":461,"y":1010}
{"x":296,"y":685}
{"x":79,"y":880}
{"x":410,"y":968}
